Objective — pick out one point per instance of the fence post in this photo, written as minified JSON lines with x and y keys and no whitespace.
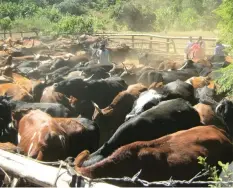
{"x":132,"y":41}
{"x":167,"y":45}
{"x":21,"y":34}
{"x":174,"y":45}
{"x":150,"y":45}
{"x":10,"y":33}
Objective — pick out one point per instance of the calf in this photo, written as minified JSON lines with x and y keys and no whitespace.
{"x":165,"y":118}
{"x":111,"y":117}
{"x":173,"y":155}
{"x":45,"y":138}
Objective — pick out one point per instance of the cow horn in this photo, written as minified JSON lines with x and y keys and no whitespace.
{"x":124,"y":67}
{"x":183,"y":66}
{"x":113,"y":68}
{"x":88,"y":79}
{"x":96,"y":107}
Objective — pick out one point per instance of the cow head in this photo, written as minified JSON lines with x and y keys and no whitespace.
{"x":58,"y":63}
{"x":129,"y":77}
{"x":37,"y":90}
{"x":48,"y":144}
{"x":225,"y":111}
{"x":187,"y":64}
{"x":76,"y":87}
{"x":82,"y":107}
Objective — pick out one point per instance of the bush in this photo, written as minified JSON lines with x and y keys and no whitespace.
{"x":134,"y":15}
{"x":225,"y":82}
{"x":52,"y":14}
{"x":187,"y":20}
{"x":74,"y":7}
{"x":213,"y":172}
{"x":34,"y":23}
{"x":164,"y":18}
{"x":73,"y":24}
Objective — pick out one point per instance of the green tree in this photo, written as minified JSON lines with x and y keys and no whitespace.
{"x":5,"y":23}
{"x":225,"y":25}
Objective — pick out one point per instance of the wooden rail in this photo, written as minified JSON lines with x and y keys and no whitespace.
{"x":155,"y":42}
{"x":4,"y":33}
{"x":167,"y":44}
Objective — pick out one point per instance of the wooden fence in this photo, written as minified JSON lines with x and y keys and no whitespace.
{"x":156,"y":43}
{"x":162,"y":44}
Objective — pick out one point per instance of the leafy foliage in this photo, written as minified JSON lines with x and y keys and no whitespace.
{"x":225,"y":81}
{"x":136,"y":15}
{"x":225,"y":12}
{"x":73,"y":24}
{"x":74,"y":7}
{"x":5,"y":23}
{"x":213,"y":172}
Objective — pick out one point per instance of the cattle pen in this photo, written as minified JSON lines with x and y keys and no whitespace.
{"x":159,"y":44}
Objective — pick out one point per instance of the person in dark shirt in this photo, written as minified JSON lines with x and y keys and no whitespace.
{"x":219,"y":54}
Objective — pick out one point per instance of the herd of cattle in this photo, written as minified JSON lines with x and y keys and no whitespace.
{"x":113,"y":120}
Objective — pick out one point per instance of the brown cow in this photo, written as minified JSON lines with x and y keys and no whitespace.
{"x":118,"y":54}
{"x":17,"y":92}
{"x":51,"y":96}
{"x":198,"y":82}
{"x":204,"y":62}
{"x":45,"y":138}
{"x":169,"y":65}
{"x":207,"y":115}
{"x":7,"y":146}
{"x":111,"y":117}
{"x":174,"y":155}
{"x":156,"y":85}
{"x":21,"y":88}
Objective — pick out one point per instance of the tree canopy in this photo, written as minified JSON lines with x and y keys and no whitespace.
{"x":135,"y":15}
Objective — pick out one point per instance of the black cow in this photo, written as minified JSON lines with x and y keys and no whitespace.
{"x":166,"y":118}
{"x":206,"y":95}
{"x":101,"y":92}
{"x":150,"y":98}
{"x":7,"y":132}
{"x":71,"y":62}
{"x":53,"y":109}
{"x":190,"y":69}
{"x":224,"y":110}
{"x":99,"y":71}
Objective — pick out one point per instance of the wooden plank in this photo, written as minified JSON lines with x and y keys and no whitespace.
{"x":151,"y":35}
{"x":37,"y":173}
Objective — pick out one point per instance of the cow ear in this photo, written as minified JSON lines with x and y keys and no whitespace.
{"x":97,"y":107}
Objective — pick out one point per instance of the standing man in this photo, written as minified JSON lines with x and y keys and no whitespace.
{"x":187,"y":49}
{"x":202,"y":48}
{"x":219,"y":54}
{"x":103,"y":55}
